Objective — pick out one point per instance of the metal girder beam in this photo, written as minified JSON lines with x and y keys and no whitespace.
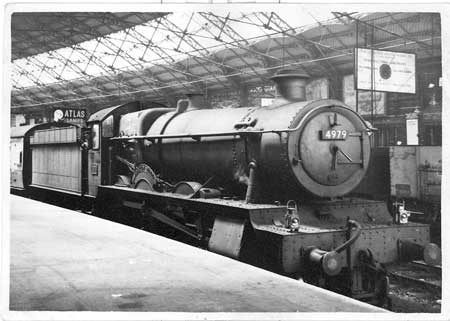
{"x":111,"y":46}
{"x":219,"y":23}
{"x":315,"y":50}
{"x":331,"y":33}
{"x":67,"y":63}
{"x":38,"y":83}
{"x":49,"y":88}
{"x":37,"y":98}
{"x":29,"y":75}
{"x":163,"y":55}
{"x":168,"y":68}
{"x":75,"y":68}
{"x":98,"y":62}
{"x":62,"y":29}
{"x":341,"y":19}
{"x":156,"y":91}
{"x":143,"y":79}
{"x":193,"y":43}
{"x":228,"y":30}
{"x":279,"y":44}
{"x":24,"y":95}
{"x":424,"y":45}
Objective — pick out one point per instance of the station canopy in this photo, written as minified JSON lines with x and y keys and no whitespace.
{"x":102,"y":59}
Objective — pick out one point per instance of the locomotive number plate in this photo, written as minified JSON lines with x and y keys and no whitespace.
{"x":333,"y":134}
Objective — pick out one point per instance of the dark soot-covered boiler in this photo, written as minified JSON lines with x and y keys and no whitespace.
{"x":296,"y":147}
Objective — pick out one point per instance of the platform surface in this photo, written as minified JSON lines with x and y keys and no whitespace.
{"x":63,"y":260}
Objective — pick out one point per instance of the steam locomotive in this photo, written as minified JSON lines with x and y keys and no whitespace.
{"x":266,"y":185}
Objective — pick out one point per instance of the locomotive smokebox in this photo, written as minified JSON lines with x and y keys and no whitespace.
{"x":291,"y":84}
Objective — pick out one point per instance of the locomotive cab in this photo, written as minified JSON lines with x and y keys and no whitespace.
{"x":103,"y":167}
{"x":103,"y":125}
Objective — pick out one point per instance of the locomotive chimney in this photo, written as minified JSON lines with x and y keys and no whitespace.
{"x":291,"y":84}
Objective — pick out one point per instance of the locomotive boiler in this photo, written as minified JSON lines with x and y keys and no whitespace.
{"x":297,"y":149}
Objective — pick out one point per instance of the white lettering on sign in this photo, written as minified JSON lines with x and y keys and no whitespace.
{"x":69,"y":114}
{"x":385,"y":71}
{"x":72,"y":113}
{"x":334,"y":134}
{"x":266,"y":102}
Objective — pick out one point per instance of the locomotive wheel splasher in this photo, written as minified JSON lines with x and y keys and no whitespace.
{"x":143,"y":178}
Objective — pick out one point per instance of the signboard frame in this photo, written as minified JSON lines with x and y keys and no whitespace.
{"x":355,"y":71}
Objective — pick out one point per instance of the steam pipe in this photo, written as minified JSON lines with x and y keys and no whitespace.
{"x":352,"y":240}
{"x":251,"y":182}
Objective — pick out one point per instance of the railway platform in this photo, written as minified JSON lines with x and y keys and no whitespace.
{"x":62,"y":260}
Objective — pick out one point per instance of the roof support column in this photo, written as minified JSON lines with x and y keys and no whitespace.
{"x":243,"y":95}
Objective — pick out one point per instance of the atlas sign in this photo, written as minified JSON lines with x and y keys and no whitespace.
{"x":389,"y":71}
{"x":68,"y":114}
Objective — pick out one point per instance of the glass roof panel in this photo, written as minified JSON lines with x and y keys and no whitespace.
{"x":165,"y":40}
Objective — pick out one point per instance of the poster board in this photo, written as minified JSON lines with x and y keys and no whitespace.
{"x":412,"y":131}
{"x":381,"y":70}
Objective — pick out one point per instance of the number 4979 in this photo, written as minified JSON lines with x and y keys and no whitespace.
{"x":334,"y":134}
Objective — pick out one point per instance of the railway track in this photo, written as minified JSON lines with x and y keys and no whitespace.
{"x":415,"y":287}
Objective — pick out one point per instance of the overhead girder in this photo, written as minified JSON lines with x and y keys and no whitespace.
{"x":106,"y":42}
{"x":279,"y":44}
{"x":61,"y":84}
{"x":136,"y":35}
{"x":312,"y":48}
{"x":398,"y":22}
{"x":63,"y":29}
{"x":218,"y":22}
{"x":193,"y":43}
{"x":23,"y":96}
{"x":182,"y":73}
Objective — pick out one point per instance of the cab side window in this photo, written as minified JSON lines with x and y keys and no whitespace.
{"x":108,"y":127}
{"x":95,"y":136}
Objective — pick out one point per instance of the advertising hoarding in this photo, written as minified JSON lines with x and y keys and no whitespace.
{"x":389,"y":71}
